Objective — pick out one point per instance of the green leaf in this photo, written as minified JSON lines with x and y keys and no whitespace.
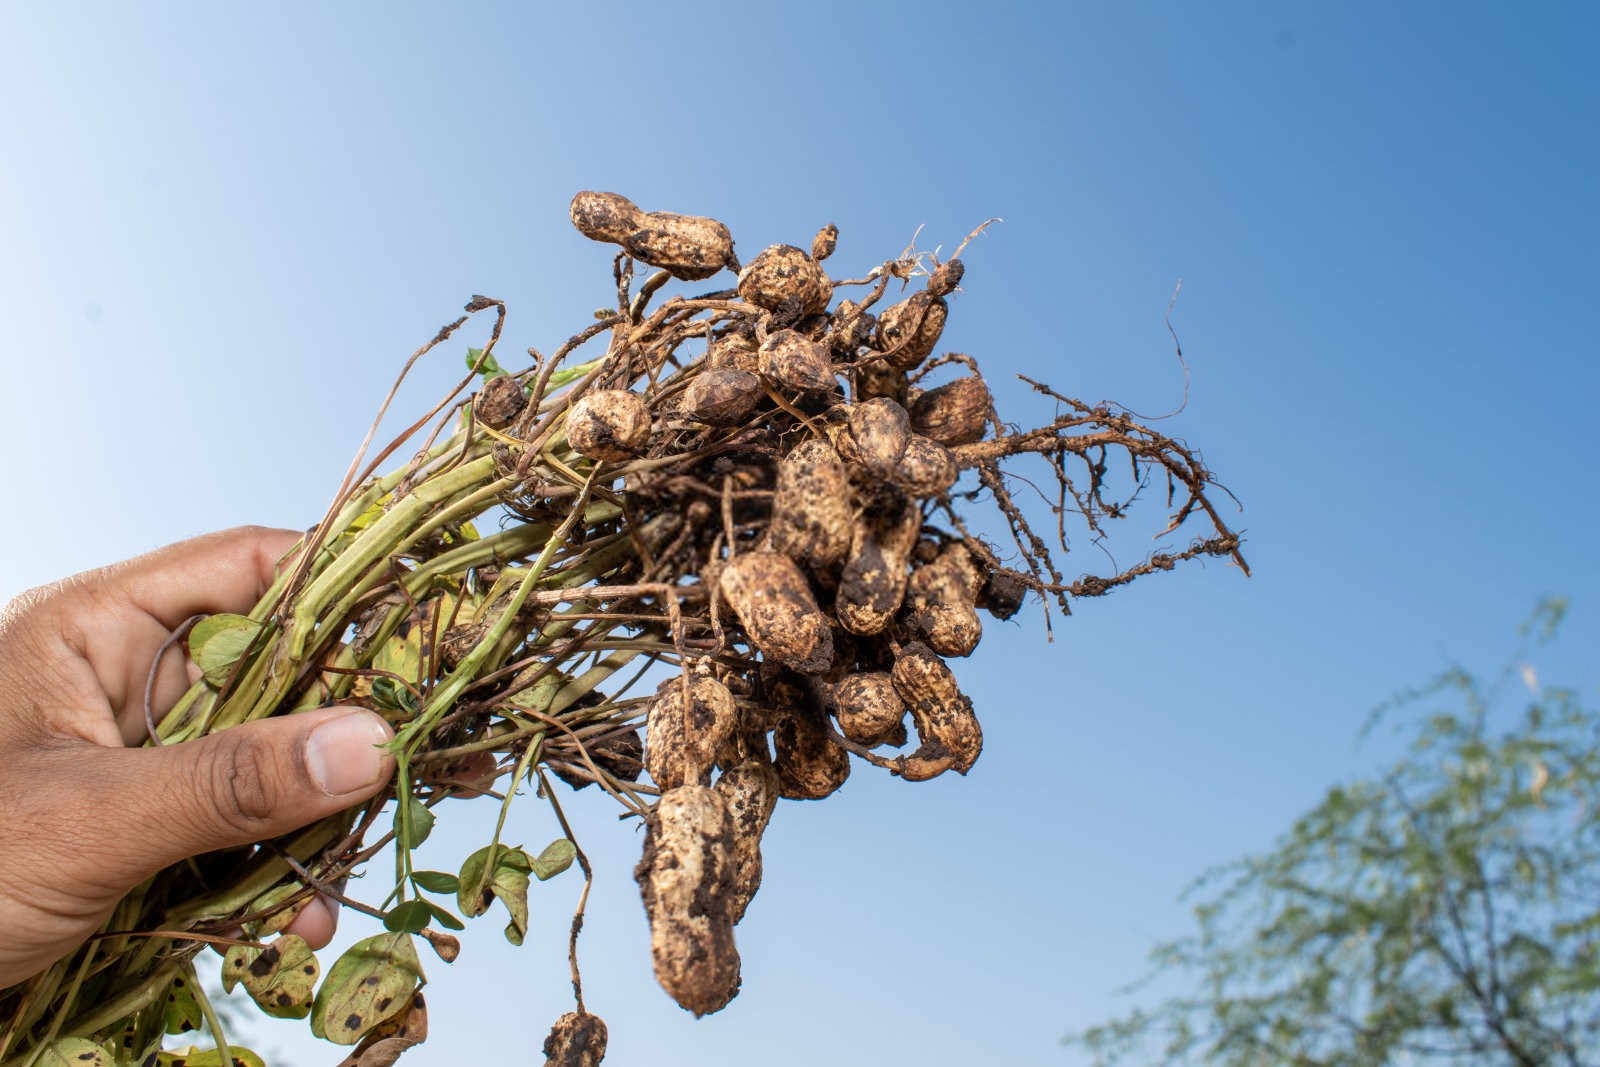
{"x":445,"y":918}
{"x":74,"y":1052}
{"x":142,"y":1035}
{"x":392,"y":696}
{"x":373,"y":980}
{"x":556,"y":857}
{"x":508,"y":881}
{"x":279,"y":978}
{"x":217,"y":642}
{"x":183,"y":1010}
{"x":572,"y":374}
{"x":414,"y":830}
{"x":210,"y":1057}
{"x":488,"y":367}
{"x":436,"y":881}
{"x":409,"y":917}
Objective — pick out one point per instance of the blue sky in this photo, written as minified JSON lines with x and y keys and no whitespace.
{"x":225,"y":227}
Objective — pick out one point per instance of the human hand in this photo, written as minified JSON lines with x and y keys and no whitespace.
{"x":85,"y":814}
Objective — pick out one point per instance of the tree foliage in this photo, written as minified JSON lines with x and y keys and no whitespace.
{"x":1446,"y":911}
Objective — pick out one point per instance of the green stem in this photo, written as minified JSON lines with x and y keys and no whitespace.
{"x":528,"y":754}
{"x":136,"y":998}
{"x":376,"y":542}
{"x":447,"y":692}
{"x":213,"y":1024}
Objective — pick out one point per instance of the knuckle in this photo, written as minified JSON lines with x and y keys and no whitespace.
{"x":248,"y":532}
{"x":245,"y":784}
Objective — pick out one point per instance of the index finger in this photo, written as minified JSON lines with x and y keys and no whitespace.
{"x":225,"y":571}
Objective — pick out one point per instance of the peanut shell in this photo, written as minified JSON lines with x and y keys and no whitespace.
{"x":621,"y":756}
{"x":682,"y":737}
{"x":796,"y":364}
{"x":823,"y":244}
{"x":499,"y":401}
{"x":940,"y":599}
{"x":946,"y":276}
{"x":946,"y":726}
{"x":926,"y":468}
{"x":849,"y":328}
{"x":689,"y":247}
{"x":609,"y":425}
{"x":606,"y":217}
{"x":577,"y":1039}
{"x":873,"y":581}
{"x":877,"y":433}
{"x":956,"y":413}
{"x":810,"y":766}
{"x":909,"y":330}
{"x":685,"y":877}
{"x":782,"y":278}
{"x":811,"y":519}
{"x":734,"y":351}
{"x":773,"y":602}
{"x":721,"y":397}
{"x":750,"y":791}
{"x":869,"y":710}
{"x":879,"y":378}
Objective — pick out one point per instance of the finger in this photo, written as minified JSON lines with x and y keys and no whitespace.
{"x":117,"y":618}
{"x":317,"y":922}
{"x":246,"y":783}
{"x":226,"y":571}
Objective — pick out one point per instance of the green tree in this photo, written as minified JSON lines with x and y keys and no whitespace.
{"x":1445,"y":912}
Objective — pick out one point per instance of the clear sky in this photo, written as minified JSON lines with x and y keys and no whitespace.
{"x":224,"y":227}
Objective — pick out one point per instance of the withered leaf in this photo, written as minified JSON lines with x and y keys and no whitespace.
{"x":280,"y":978}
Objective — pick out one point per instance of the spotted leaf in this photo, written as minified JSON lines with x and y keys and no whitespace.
{"x":280,"y":978}
{"x":74,"y":1052}
{"x":373,"y":980}
{"x":183,"y":1010}
{"x":384,"y":1044}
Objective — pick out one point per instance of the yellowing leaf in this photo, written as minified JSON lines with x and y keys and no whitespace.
{"x":210,"y":1057}
{"x":373,"y":513}
{"x":280,"y":978}
{"x":373,"y":980}
{"x":383,"y":1046}
{"x":401,"y":655}
{"x":74,"y":1052}
{"x":217,"y":642}
{"x":278,"y":921}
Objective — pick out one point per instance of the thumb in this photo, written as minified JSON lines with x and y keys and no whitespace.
{"x":243,"y":784}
